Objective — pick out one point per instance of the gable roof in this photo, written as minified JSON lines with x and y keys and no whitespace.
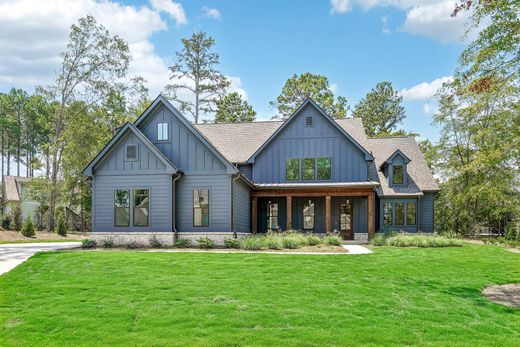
{"x":162,"y":100}
{"x":12,"y":186}
{"x":88,"y":171}
{"x":391,"y":158}
{"x":368,"y":155}
{"x":420,"y":178}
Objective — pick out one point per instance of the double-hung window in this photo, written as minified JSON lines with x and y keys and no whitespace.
{"x":122,"y":208}
{"x":397,"y":174}
{"x":399,"y":213}
{"x":201,"y":207}
{"x":162,"y":132}
{"x":411,"y":213}
{"x":141,"y":207}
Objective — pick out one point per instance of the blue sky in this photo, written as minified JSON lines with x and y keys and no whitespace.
{"x":413,"y":44}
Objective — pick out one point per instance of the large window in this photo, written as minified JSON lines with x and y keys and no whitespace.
{"x":387,"y":213}
{"x":397,"y":174}
{"x":324,"y":168}
{"x":308,"y":215}
{"x":272,"y":217}
{"x":141,"y":207}
{"x":162,"y":132}
{"x":410,"y":213}
{"x":399,"y":213}
{"x":122,"y":208}
{"x":201,"y":207}
{"x":308,"y":168}
{"x":292,"y":169}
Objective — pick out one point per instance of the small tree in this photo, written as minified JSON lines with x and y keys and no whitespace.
{"x":28,"y":228}
{"x":233,"y":109}
{"x":17,"y":218}
{"x":62,"y":227}
{"x":6,"y":222}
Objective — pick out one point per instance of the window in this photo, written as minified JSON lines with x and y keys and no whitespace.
{"x":345,"y":216}
{"x":201,"y":207}
{"x":410,"y":213}
{"x":397,"y":174}
{"x":292,"y":169}
{"x":324,"y":168}
{"x":387,"y":213}
{"x":122,"y":208}
{"x":308,"y":215}
{"x":131,"y":152}
{"x":399,"y":213}
{"x":162,"y":132}
{"x":141,"y":207}
{"x":308,"y":122}
{"x":308,"y":168}
{"x":272,"y":217}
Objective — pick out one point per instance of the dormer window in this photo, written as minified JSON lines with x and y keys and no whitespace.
{"x":397,"y":174}
{"x":162,"y":132}
{"x":131,"y":152}
{"x":308,"y":122}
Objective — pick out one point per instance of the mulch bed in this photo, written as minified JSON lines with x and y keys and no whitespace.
{"x":9,"y":235}
{"x":507,"y":294}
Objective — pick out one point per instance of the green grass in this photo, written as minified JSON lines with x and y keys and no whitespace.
{"x":395,"y":296}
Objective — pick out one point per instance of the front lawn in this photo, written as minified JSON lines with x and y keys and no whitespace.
{"x":413,"y":296}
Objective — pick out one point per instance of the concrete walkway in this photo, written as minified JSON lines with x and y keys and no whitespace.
{"x":12,"y":255}
{"x":356,"y":249}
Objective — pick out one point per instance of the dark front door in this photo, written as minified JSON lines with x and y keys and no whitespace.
{"x":345,"y":220}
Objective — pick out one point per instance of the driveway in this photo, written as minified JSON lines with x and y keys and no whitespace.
{"x":12,"y":255}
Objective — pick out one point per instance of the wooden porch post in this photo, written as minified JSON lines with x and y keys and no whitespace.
{"x":370,"y":215}
{"x":254,"y":217}
{"x":327,"y":214}
{"x":289,"y":212}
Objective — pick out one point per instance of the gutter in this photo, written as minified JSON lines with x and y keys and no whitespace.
{"x":177,"y":176}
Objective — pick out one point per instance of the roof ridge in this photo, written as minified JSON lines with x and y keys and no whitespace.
{"x":241,"y":123}
{"x":391,"y":137}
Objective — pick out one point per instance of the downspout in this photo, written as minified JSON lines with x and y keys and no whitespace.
{"x":418,"y":214}
{"x":174,"y":205}
{"x":234,"y":178}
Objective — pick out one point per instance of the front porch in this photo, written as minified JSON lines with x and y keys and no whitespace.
{"x":348,"y":211}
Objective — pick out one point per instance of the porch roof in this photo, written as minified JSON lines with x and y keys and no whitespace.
{"x":360,"y":184}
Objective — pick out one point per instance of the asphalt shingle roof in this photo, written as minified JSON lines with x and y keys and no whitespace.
{"x":12,"y":187}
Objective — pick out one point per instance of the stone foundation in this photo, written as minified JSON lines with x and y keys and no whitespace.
{"x":361,"y":237}
{"x":142,"y":239}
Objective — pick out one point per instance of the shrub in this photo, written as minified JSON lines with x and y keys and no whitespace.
{"x":6,"y":222}
{"x":108,"y":242}
{"x":405,"y":240}
{"x":378,"y":240}
{"x":291,"y":242}
{"x":313,"y":240}
{"x":252,"y":243}
{"x":182,"y":243}
{"x":273,"y":241}
{"x":155,"y":242}
{"x":88,"y":243}
{"x":132,"y":244}
{"x":17,"y":218}
{"x":333,"y":240}
{"x":61,"y":228}
{"x":205,"y":242}
{"x":231,"y":243}
{"x":28,"y":228}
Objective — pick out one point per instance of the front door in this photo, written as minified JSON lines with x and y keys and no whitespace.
{"x":345,"y":220}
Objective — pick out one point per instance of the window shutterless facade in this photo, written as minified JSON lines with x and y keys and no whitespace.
{"x":162,"y":132}
{"x":292,"y":169}
{"x":308,"y":168}
{"x":141,"y":208}
{"x":201,"y":207}
{"x":308,"y":215}
{"x":122,"y":208}
{"x":272,"y":217}
{"x":324,"y":168}
{"x":397,"y":174}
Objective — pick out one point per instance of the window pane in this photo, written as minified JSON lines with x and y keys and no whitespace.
{"x":399,"y":213}
{"x":272,"y":217}
{"x":308,"y":165}
{"x":201,"y":207}
{"x":308,"y":215}
{"x":292,"y":169}
{"x":387,"y":213}
{"x":345,"y":217}
{"x":122,"y":208}
{"x":162,"y":131}
{"x":141,"y":207}
{"x":397,"y":175}
{"x":324,"y":168}
{"x":410,"y":213}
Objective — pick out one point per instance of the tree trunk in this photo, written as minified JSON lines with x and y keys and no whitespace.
{"x":197,"y":101}
{"x":52,"y":197}
{"x":8,"y":156}
{"x":3,"y":152}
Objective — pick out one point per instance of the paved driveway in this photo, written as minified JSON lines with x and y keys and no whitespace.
{"x":11,"y":255}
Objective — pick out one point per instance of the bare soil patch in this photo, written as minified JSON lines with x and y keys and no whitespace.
{"x":8,"y":235}
{"x":507,"y":294}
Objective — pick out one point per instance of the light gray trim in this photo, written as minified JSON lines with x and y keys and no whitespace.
{"x":391,"y":158}
{"x":368,"y":155}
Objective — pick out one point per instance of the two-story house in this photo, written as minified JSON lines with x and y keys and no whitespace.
{"x":166,"y":176}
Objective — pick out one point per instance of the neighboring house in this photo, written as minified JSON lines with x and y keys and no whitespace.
{"x":164,"y":175}
{"x":15,"y":193}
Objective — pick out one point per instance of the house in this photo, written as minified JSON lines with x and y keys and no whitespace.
{"x":166,"y":176}
{"x":15,"y":193}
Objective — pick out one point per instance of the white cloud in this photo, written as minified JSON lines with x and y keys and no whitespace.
{"x":340,"y":6}
{"x":210,"y":12}
{"x":384,"y":23}
{"x":424,"y":90}
{"x":333,"y":88}
{"x":174,"y":9}
{"x":236,"y":86}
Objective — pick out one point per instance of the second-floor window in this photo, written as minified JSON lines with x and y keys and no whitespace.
{"x":324,"y":168}
{"x":397,"y":174}
{"x":162,"y":132}
{"x":308,"y":168}
{"x":292,"y":169}
{"x":311,"y":169}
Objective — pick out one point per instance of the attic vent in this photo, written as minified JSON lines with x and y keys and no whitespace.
{"x":308,"y":122}
{"x":131,"y":152}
